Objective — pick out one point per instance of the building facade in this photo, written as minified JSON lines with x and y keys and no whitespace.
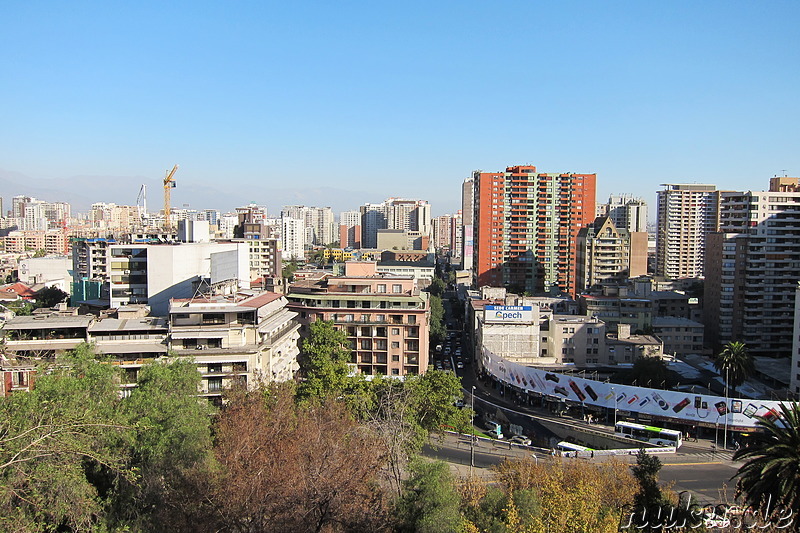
{"x":606,"y":254}
{"x":526,"y":227}
{"x":752,"y":269}
{"x":686,"y":214}
{"x":386,"y":317}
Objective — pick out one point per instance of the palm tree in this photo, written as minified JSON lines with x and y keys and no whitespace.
{"x":735,"y":363}
{"x":771,"y":475}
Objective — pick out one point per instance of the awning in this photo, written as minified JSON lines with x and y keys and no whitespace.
{"x":111,"y":349}
{"x":199,"y":334}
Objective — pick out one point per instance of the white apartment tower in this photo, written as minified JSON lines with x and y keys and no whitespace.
{"x":294,"y":238}
{"x":318,"y":221}
{"x":686,"y":214}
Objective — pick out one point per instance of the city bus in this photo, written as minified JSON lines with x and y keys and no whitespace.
{"x":651,"y":434}
{"x":565,"y":446}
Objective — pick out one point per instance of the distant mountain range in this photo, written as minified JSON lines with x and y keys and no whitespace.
{"x":82,"y":191}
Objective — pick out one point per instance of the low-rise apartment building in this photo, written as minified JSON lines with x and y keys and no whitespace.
{"x":386,"y":317}
{"x":238,"y":339}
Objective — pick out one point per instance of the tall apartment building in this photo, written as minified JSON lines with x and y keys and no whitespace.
{"x":350,"y":229}
{"x":606,"y":254}
{"x":396,"y":214}
{"x":467,"y":220}
{"x":90,"y":258}
{"x":794,"y":378}
{"x":318,"y":221}
{"x":752,"y":269}
{"x":626,"y":211}
{"x":385,"y":316}
{"x":443,"y":230}
{"x":293,"y":238}
{"x":686,"y":214}
{"x":526,"y":227}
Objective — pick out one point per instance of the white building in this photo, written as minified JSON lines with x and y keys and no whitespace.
{"x":626,"y":211}
{"x":686,"y":214}
{"x":293,"y":238}
{"x":53,"y":271}
{"x":153,"y":273}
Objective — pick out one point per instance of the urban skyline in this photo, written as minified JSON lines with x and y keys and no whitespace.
{"x":353,"y":99}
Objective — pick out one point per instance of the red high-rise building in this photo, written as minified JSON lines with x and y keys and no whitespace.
{"x":526,"y":225}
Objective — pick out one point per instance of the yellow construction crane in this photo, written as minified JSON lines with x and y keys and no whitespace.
{"x":169,"y":184}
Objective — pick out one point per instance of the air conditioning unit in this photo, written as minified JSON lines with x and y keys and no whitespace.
{"x":126,"y":271}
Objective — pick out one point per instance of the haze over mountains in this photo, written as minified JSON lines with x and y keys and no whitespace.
{"x":82,"y":191}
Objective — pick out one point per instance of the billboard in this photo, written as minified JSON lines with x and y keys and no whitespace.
{"x":508,"y":314}
{"x":681,"y":407}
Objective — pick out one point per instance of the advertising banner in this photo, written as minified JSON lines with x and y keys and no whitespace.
{"x":681,"y":406}
{"x":508,"y":314}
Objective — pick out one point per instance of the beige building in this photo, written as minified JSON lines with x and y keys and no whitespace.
{"x":686,"y":214}
{"x":240,"y":339}
{"x":607,"y":254}
{"x":386,"y":317}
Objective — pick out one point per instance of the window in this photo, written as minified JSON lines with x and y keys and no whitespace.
{"x":397,"y":288}
{"x":214,"y":384}
{"x":395,"y":344}
{"x":381,"y":287}
{"x":395,"y":358}
{"x":395,"y":331}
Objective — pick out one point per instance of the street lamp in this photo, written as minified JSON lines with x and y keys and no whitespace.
{"x":725,"y":438}
{"x":615,"y":406}
{"x":472,"y":436}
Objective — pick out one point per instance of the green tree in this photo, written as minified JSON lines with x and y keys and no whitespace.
{"x":430,"y":502}
{"x":323,"y":361}
{"x":40,"y":253}
{"x":432,"y":396}
{"x":734,"y":363}
{"x":437,"y":330}
{"x":771,"y":474}
{"x":59,"y":446}
{"x":50,"y":296}
{"x":437,"y":287}
{"x":648,"y":371}
{"x":172,"y":441}
{"x":289,"y":269}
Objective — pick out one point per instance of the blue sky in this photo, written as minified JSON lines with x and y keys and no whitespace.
{"x":401,"y":98}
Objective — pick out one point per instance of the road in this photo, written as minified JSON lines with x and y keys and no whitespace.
{"x":698,"y":467}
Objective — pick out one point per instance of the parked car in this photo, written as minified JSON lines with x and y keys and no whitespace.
{"x":520,"y":439}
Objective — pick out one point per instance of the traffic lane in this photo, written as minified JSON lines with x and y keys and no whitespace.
{"x":710,"y":480}
{"x":486,"y":454}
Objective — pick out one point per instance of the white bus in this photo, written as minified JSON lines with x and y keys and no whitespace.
{"x":651,"y":434}
{"x":565,"y":446}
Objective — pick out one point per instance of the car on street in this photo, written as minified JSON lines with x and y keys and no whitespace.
{"x":520,"y":439}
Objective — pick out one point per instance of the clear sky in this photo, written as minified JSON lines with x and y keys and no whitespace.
{"x":402,"y":98}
